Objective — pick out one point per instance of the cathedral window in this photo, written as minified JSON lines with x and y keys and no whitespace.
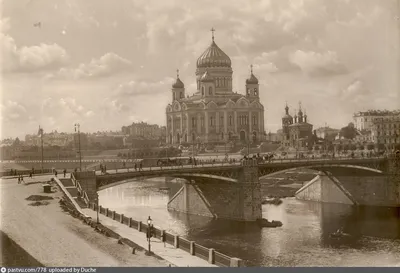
{"x":193,"y":122}
{"x":212,"y":119}
{"x":255,"y":91}
{"x":221,"y":122}
{"x":210,"y":91}
{"x":202,"y":91}
{"x":181,"y":95}
{"x":230,"y":120}
{"x":248,"y":91}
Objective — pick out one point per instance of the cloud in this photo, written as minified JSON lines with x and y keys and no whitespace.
{"x":30,"y":59}
{"x":12,"y":111}
{"x":318,"y":64}
{"x":107,"y":65}
{"x":355,"y":92}
{"x":139,"y":88}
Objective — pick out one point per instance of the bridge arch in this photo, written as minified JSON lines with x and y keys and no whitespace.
{"x":323,"y":167}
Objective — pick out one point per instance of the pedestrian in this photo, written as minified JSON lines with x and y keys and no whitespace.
{"x":65,"y":172}
{"x":33,"y":170}
{"x":135,"y":167}
{"x":140,"y":166}
{"x":30,"y":174}
{"x":19,"y":179}
{"x":105,"y":169}
{"x":22,"y":179}
{"x":55,"y":173}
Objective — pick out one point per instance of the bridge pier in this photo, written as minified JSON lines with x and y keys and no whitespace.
{"x":239,"y":200}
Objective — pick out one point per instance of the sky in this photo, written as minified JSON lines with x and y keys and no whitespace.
{"x":105,"y":64}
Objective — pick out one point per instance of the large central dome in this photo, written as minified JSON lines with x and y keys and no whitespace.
{"x":213,"y":57}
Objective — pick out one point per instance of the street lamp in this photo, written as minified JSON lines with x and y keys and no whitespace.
{"x":149,"y":232}
{"x":97,"y":201}
{"x":79,"y":145}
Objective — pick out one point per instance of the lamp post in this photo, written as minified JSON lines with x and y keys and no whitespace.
{"x":97,"y":201}
{"x":41,"y":142}
{"x":149,"y":232}
{"x":77,"y":126}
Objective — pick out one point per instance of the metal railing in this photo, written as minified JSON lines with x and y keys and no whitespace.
{"x":82,"y":193}
{"x":194,"y":249}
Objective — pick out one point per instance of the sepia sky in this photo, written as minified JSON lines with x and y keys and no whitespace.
{"x":107,"y":63}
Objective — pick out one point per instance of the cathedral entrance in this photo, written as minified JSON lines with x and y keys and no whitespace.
{"x":254,"y":137}
{"x":242,"y":136}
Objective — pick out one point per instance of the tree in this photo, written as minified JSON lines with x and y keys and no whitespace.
{"x":353,"y":147}
{"x":345,"y":147}
{"x":339,"y":147}
{"x":331,"y":147}
{"x":348,"y":132}
{"x":316,"y":148}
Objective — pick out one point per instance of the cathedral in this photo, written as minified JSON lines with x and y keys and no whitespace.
{"x":297,"y":132}
{"x":214,"y":113}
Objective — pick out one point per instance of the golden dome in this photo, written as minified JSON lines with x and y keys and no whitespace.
{"x":213,"y":57}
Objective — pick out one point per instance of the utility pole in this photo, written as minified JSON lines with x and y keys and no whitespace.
{"x":41,"y":141}
{"x":79,"y":145}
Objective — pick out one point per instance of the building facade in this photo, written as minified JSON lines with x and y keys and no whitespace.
{"x":296,"y":131}
{"x":327,"y":133}
{"x":365,"y":120}
{"x":143,"y":129}
{"x":386,"y":131}
{"x":214,"y":113}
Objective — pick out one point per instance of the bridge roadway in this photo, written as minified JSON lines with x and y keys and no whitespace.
{"x":229,"y":171}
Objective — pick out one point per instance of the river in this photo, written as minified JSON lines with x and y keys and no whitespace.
{"x":303,"y":240}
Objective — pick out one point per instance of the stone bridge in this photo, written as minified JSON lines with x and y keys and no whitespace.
{"x":233,"y":191}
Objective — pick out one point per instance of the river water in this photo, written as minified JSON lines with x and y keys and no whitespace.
{"x":303,"y":240}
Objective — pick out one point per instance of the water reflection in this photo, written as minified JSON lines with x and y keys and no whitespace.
{"x":304,"y":239}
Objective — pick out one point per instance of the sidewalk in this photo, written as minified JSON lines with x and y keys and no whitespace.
{"x":175,"y":256}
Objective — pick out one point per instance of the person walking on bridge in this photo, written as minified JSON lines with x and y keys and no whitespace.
{"x":65,"y":172}
{"x":140,"y":166}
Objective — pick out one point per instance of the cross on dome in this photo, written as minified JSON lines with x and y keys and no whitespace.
{"x":212,"y":31}
{"x":177,"y":73}
{"x":251,"y":69}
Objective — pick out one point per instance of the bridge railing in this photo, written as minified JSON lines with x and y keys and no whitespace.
{"x":247,"y":162}
{"x":208,"y":254}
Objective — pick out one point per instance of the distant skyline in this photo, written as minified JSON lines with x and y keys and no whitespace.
{"x":106,"y":64}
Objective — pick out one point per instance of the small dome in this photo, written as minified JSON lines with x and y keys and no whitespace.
{"x":213,"y":57}
{"x":252,"y":79}
{"x":206,"y":77}
{"x":178,"y":84}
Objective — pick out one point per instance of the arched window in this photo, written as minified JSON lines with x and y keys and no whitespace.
{"x":230,"y":120}
{"x":202,"y":90}
{"x":221,"y":121}
{"x":212,"y":121}
{"x":193,"y":122}
{"x":210,"y":90}
{"x":255,"y":92}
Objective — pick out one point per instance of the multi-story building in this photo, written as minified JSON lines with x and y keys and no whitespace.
{"x":143,"y":129}
{"x":365,"y":120}
{"x":386,"y":131}
{"x":327,"y":133}
{"x":214,"y":113}
{"x":49,"y":139}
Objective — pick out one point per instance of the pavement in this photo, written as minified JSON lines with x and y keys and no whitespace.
{"x":53,"y":237}
{"x":175,"y":256}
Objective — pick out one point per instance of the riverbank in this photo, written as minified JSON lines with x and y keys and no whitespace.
{"x":54,"y":238}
